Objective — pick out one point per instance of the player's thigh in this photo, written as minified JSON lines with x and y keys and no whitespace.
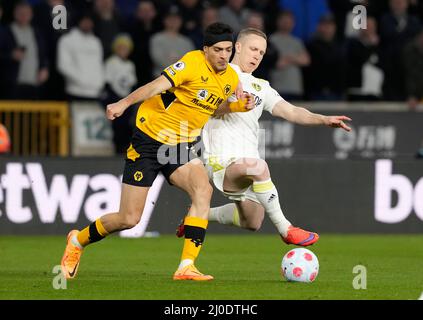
{"x":192,"y":177}
{"x":132,"y":200}
{"x":250,"y":212}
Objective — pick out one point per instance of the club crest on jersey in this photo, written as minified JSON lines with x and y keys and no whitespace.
{"x":227,"y":89}
{"x":256,"y":86}
{"x":204,"y":79}
{"x":202,"y":94}
{"x":178,"y":66}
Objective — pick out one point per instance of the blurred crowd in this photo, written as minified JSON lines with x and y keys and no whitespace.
{"x":112,"y":46}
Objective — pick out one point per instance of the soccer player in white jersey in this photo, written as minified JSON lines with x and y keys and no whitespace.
{"x":232,"y":149}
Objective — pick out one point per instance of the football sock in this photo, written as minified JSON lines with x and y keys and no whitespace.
{"x":268,"y":196}
{"x":93,"y":233}
{"x":195,"y":232}
{"x":227,"y":214}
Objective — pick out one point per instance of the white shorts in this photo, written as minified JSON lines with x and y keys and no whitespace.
{"x":216,"y":169}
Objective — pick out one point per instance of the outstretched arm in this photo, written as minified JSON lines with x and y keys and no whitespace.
{"x":143,"y":93}
{"x":287,"y":111}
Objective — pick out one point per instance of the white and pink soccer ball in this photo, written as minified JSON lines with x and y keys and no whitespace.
{"x":300,"y":265}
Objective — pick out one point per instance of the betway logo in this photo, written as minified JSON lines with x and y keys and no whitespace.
{"x":409,"y":197}
{"x":61,"y":197}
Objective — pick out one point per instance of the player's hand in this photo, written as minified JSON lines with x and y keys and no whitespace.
{"x":338,"y":122}
{"x":115,"y":110}
{"x":249,"y":98}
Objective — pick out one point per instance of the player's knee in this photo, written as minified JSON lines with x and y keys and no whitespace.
{"x":259,"y":171}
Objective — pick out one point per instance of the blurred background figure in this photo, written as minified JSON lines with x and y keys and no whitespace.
{"x":287,"y":77}
{"x":234,"y":13}
{"x":365,"y":77}
{"x":120,"y":81}
{"x":80,"y":61}
{"x":307,"y":15}
{"x":107,"y":24}
{"x":326,"y":75}
{"x":146,"y":24}
{"x":191,"y":13}
{"x":167,"y":46}
{"x":208,"y":16}
{"x":43,"y":18}
{"x":397,"y":28}
{"x":256,"y":20}
{"x":24,"y":60}
{"x":413,"y":62}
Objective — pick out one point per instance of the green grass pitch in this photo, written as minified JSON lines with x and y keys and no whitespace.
{"x":244,"y":267}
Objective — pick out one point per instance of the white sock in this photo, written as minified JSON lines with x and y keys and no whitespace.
{"x":227,"y":214}
{"x":184,"y":263}
{"x":76,"y":243}
{"x":268,"y":196}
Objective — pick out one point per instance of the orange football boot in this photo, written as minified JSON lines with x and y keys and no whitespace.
{"x":190,"y":272}
{"x":300,"y":237}
{"x":71,"y":257}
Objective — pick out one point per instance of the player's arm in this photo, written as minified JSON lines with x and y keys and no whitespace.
{"x":302,"y":116}
{"x":245,"y":104}
{"x":143,"y":93}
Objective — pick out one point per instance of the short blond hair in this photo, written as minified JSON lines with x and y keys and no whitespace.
{"x":247,"y":31}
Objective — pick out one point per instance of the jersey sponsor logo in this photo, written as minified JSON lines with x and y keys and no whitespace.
{"x":202,"y":94}
{"x":256,"y":86}
{"x":170,"y":71}
{"x":138,"y":176}
{"x":227,"y":89}
{"x":178,"y":66}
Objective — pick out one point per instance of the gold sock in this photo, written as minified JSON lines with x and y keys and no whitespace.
{"x":92,"y":233}
{"x":195,"y":232}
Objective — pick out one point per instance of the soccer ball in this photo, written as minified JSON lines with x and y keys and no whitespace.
{"x":300,"y":265}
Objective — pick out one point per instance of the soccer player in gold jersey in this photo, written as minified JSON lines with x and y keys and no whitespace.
{"x":174,"y":108}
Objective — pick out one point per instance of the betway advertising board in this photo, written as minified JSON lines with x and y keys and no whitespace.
{"x":53,"y":196}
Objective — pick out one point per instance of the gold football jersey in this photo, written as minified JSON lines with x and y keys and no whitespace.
{"x":179,"y":114}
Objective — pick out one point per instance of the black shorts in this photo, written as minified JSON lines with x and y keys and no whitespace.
{"x":148,"y":157}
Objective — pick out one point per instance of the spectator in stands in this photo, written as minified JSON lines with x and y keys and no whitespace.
{"x":191,"y":11}
{"x":208,"y":16}
{"x":396,"y":29}
{"x":413,"y":63}
{"x":43,"y":18}
{"x":120,"y":80}
{"x":287,"y":77}
{"x":235,"y":14}
{"x":169,"y":45}
{"x":145,"y":25}
{"x":107,"y":24}
{"x":4,"y":56}
{"x":256,"y":20}
{"x":25,"y":64}
{"x":326,"y":75}
{"x":269,"y":9}
{"x":307,"y":15}
{"x":80,"y":61}
{"x":365,"y":76}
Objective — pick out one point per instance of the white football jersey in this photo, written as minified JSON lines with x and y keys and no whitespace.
{"x":237,"y":135}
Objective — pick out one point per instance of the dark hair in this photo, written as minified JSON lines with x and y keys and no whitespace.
{"x":217,"y":32}
{"x":218,"y":28}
